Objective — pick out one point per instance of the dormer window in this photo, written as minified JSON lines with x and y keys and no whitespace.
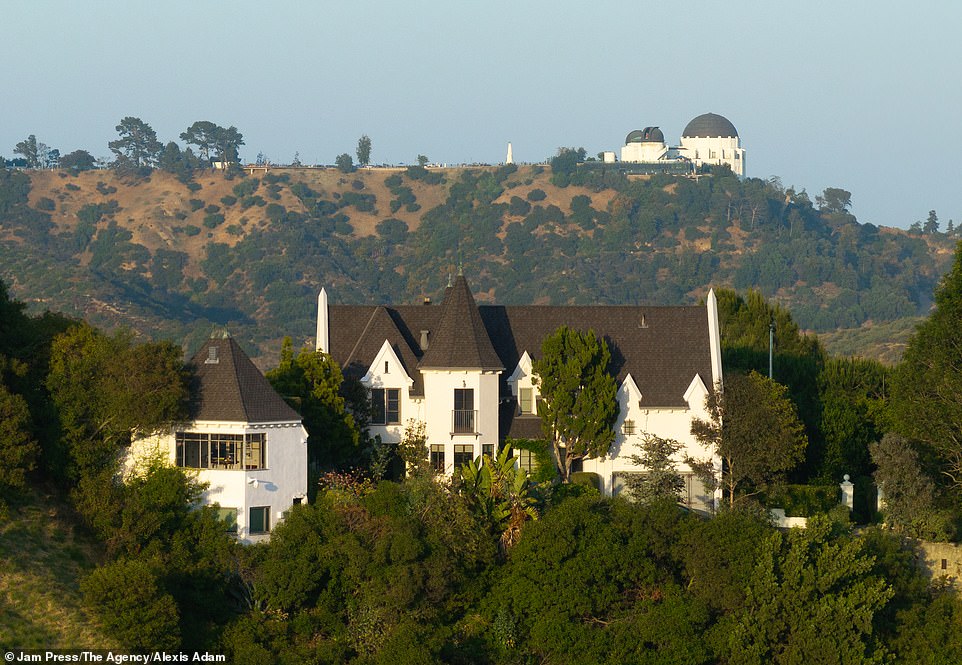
{"x":526,"y":400}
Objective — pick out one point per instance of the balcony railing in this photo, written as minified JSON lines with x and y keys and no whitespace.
{"x":463,"y":420}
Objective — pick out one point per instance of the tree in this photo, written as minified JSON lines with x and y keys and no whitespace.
{"x":579,"y":398}
{"x":811,"y":598}
{"x":931,"y":225}
{"x":422,"y":161}
{"x":311,"y":383}
{"x":137,"y":147}
{"x":127,"y":597}
{"x":909,"y":493}
{"x":18,"y":450}
{"x":660,"y":479}
{"x":755,"y":430}
{"x":926,"y":400}
{"x":78,"y":160}
{"x":834,"y":200}
{"x":202,"y":134}
{"x":412,"y":449}
{"x":364,"y":150}
{"x":28,"y":148}
{"x":106,"y":389}
{"x":344,"y":163}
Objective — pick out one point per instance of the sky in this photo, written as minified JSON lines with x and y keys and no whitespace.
{"x":860,"y":95}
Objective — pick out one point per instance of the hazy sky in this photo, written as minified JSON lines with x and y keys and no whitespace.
{"x":866,"y":96}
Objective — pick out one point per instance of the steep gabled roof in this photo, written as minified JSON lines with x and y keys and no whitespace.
{"x":461,"y":340}
{"x":662,"y":348}
{"x":228,"y":387}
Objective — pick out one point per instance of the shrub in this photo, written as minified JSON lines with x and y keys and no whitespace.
{"x":191,"y":230}
{"x":213,"y":220}
{"x":46,"y":204}
{"x":586,"y":478}
{"x":195,"y":205}
{"x":518,"y":206}
{"x":537,"y":195}
{"x":72,"y":187}
{"x":246,"y":188}
{"x":211,"y":209}
{"x":194,"y":186}
{"x":228,"y":200}
{"x":132,"y":606}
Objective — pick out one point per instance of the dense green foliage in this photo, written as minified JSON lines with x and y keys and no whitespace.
{"x":427,"y":571}
{"x":755,"y":430}
{"x":928,"y":384}
{"x":578,"y":404}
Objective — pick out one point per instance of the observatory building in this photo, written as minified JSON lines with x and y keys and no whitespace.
{"x":708,"y":139}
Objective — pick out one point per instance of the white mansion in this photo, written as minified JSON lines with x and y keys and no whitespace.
{"x":465,"y":371}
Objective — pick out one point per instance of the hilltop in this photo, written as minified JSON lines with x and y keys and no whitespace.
{"x":170,"y":258}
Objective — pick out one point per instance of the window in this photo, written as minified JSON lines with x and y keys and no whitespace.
{"x":212,"y":450}
{"x":463,"y":411}
{"x":229,"y":517}
{"x":526,"y":400}
{"x":437,"y":457}
{"x":487,"y":450}
{"x":527,"y":461}
{"x":628,"y":427}
{"x":260,"y":520}
{"x":462,"y":455}
{"x":254,"y":451}
{"x":386,"y":406}
{"x":225,"y":451}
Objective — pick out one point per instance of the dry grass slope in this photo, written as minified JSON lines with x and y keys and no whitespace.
{"x":42,"y":560}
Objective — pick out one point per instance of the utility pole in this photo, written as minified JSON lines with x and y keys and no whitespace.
{"x":771,"y":344}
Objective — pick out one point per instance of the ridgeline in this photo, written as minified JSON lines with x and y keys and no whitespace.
{"x":173,"y":258}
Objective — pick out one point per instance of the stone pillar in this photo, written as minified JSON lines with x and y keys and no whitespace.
{"x":848,"y":493}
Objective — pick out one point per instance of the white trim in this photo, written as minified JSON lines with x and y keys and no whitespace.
{"x":374,"y":378}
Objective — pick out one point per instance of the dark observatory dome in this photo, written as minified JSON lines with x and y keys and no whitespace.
{"x":710,"y":125}
{"x":646,"y":135}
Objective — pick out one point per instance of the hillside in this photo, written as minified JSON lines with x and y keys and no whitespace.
{"x":173,"y":259}
{"x":43,"y":558}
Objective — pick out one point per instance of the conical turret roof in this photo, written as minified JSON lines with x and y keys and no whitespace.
{"x":461,"y":341}
{"x":228,"y":387}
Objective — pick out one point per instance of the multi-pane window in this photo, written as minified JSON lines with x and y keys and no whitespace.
{"x":211,"y":450}
{"x":527,"y":461}
{"x":628,"y":427}
{"x":437,"y":457}
{"x":487,"y":450}
{"x":462,"y":454}
{"x":463,"y":414}
{"x":385,"y":406}
{"x":260,"y":520}
{"x":526,"y":400}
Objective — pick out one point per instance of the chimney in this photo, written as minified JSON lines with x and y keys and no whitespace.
{"x":424,"y":340}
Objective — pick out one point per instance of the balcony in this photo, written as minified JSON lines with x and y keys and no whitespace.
{"x":463,"y":421}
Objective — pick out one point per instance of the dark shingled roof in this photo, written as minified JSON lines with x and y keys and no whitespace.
{"x":461,"y":340}
{"x":663,"y":348}
{"x":227,"y":386}
{"x":710,"y":125}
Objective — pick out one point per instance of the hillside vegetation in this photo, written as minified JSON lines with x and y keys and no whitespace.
{"x":173,"y":258}
{"x":43,"y":558}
